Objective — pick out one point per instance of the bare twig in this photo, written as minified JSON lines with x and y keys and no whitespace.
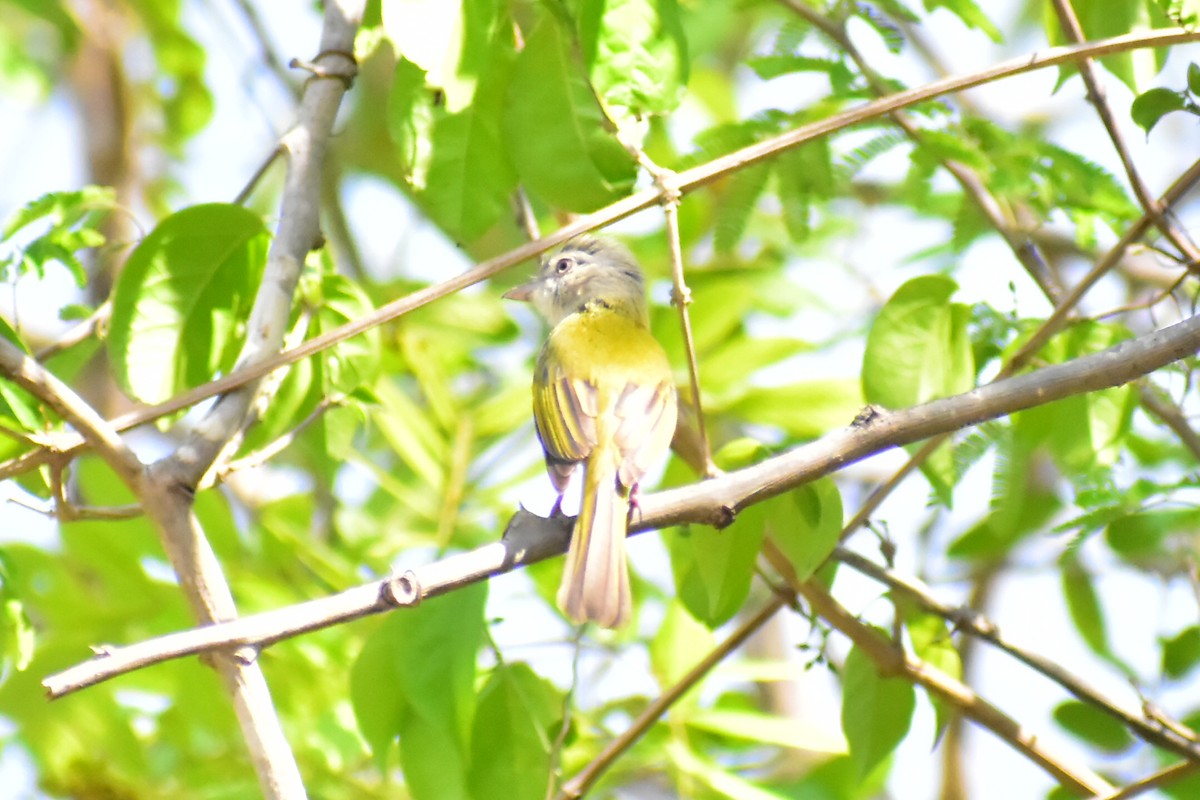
{"x":1182,"y":185}
{"x":1087,"y":69}
{"x":68,"y":512}
{"x":891,"y":660}
{"x":681,"y":297}
{"x":31,"y":376}
{"x":277,"y":152}
{"x":78,"y":333}
{"x":1164,"y":777}
{"x":1170,"y":415}
{"x":974,"y":624}
{"x":688,"y":181}
{"x":262,"y":456}
{"x":587,"y":777}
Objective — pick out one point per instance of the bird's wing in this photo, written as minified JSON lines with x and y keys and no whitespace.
{"x":565,"y":411}
{"x":647,"y":423}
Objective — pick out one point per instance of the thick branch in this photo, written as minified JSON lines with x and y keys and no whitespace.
{"x":714,"y":502}
{"x":297,"y":234}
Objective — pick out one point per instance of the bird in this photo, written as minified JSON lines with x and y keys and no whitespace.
{"x":603,"y":397}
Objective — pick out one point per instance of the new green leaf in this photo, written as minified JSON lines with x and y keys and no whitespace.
{"x":180,"y":306}
{"x":876,"y":711}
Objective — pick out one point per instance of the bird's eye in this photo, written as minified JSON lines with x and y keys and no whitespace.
{"x":563,"y":264}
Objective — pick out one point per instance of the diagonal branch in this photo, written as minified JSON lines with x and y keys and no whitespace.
{"x":890,"y":659}
{"x":688,"y":181}
{"x":1099,"y":98}
{"x":579,"y":785}
{"x":714,"y":502}
{"x":976,"y":625}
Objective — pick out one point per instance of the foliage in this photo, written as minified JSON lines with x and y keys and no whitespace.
{"x":858,"y":267}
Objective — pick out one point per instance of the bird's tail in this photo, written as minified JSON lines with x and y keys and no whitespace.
{"x":595,"y":583}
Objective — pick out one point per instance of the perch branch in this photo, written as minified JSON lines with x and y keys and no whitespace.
{"x":714,"y":502}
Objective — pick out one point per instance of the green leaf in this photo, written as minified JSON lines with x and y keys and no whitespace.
{"x":180,"y":304}
{"x":432,"y":35}
{"x":452,"y":152}
{"x":186,"y":103}
{"x":1193,"y":78}
{"x":1087,"y":614}
{"x":674,"y":649}
{"x":433,"y":759}
{"x":73,"y":219}
{"x":713,"y":568}
{"x":757,"y":726}
{"x":737,"y":358}
{"x":804,"y":177}
{"x":803,"y":410}
{"x":970,"y":14}
{"x":1088,"y":430}
{"x":720,"y":780}
{"x":1185,"y":13}
{"x":1151,"y":106}
{"x":17,"y":635}
{"x":1093,"y":726}
{"x":1181,"y":653}
{"x":918,"y":348}
{"x":417,"y":671}
{"x":876,"y":711}
{"x":738,"y":201}
{"x":1141,"y":537}
{"x":933,"y":644}
{"x":560,"y":142}
{"x":18,"y":411}
{"x":1102,"y":19}
{"x":636,"y":54}
{"x":805,"y":524}
{"x":513,"y":735}
{"x":340,"y":370}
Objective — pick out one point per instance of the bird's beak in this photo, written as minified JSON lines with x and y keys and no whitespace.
{"x":522,"y":292}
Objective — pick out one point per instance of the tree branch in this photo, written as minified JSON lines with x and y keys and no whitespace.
{"x":714,"y":502}
{"x":579,"y":785}
{"x":890,"y":659}
{"x":974,"y":624}
{"x":688,"y":181}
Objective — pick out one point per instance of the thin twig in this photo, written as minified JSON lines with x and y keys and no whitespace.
{"x":976,"y":625}
{"x":525,"y":216}
{"x":31,"y":376}
{"x":587,"y":777}
{"x":1164,"y":777}
{"x":890,"y":659}
{"x":681,"y":297}
{"x":1182,"y":185}
{"x":276,"y":153}
{"x":564,"y":728}
{"x":1021,"y":245}
{"x":72,"y":513}
{"x":689,"y":181}
{"x":78,"y":333}
{"x":266,"y":453}
{"x":1170,"y":415}
{"x":1152,"y":207}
